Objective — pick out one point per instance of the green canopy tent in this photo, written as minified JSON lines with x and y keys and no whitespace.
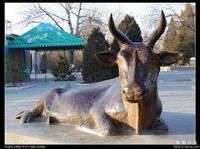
{"x":47,"y":37}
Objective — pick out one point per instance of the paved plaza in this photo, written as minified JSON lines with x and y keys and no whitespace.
{"x":176,"y":90}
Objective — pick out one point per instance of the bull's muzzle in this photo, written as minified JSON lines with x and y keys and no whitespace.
{"x":134,"y":94}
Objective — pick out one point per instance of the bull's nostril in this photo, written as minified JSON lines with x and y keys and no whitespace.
{"x":125,"y":90}
{"x":143,"y":93}
{"x":140,"y":92}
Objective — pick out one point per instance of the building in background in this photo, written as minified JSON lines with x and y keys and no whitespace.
{"x":30,"y":47}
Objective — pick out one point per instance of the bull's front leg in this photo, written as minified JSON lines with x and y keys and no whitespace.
{"x":27,"y":116}
{"x":102,"y":122}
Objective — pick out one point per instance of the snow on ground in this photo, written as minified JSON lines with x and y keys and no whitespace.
{"x":41,"y":76}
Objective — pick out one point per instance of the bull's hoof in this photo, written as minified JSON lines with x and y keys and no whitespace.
{"x":160,"y":124}
{"x":107,"y":131}
{"x":25,"y":117}
{"x":52,"y":120}
{"x":97,"y":132}
{"x":102,"y":132}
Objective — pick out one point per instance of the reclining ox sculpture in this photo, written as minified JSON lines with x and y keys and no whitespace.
{"x":129,"y":100}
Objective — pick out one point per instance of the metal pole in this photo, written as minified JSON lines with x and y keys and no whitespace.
{"x":45,"y":60}
{"x":35,"y":66}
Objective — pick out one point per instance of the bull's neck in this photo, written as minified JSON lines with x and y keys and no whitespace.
{"x":135,"y":110}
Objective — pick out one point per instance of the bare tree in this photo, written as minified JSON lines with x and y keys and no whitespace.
{"x":152,"y":19}
{"x":170,"y":12}
{"x":89,"y":24}
{"x":68,"y":12}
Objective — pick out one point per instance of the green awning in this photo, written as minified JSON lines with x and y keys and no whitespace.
{"x":46,"y":35}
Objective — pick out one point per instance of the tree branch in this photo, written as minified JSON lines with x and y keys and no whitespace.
{"x":48,"y":14}
{"x":67,"y":8}
{"x":78,"y":18}
{"x":59,"y":17}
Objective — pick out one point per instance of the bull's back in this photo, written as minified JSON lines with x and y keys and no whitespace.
{"x":73,"y":103}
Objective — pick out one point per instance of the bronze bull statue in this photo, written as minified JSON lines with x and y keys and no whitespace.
{"x":129,"y":100}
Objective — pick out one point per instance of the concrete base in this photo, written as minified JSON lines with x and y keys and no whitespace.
{"x":42,"y":133}
{"x":12,"y":138}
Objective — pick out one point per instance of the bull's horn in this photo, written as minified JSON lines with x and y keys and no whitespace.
{"x":116,"y":33}
{"x":158,"y":32}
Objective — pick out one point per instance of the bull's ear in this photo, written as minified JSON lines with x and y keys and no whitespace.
{"x":106,"y":57}
{"x":168,"y":58}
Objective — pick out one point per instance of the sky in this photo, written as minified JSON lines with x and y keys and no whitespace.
{"x":13,"y":11}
